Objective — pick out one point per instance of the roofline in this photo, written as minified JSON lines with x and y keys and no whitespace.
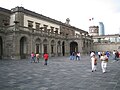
{"x":5,"y":10}
{"x":26,"y":11}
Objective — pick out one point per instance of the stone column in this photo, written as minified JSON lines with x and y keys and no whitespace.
{"x":49,"y":48}
{"x":67,"y":48}
{"x":9,"y":47}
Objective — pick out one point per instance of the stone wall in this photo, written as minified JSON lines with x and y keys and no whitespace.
{"x":106,"y":47}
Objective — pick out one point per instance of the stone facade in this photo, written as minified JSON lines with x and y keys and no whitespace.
{"x":107,"y":47}
{"x":23,"y":31}
{"x":106,"y":42}
{"x":93,"y":30}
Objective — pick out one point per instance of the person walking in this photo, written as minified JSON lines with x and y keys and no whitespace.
{"x":73,"y":55}
{"x":92,"y":53}
{"x":104,"y":60}
{"x":78,"y":56}
{"x":45,"y":56}
{"x":107,"y":53}
{"x":116,"y":55}
{"x":37,"y":57}
{"x":32,"y":57}
{"x":93,"y":62}
{"x":99,"y":54}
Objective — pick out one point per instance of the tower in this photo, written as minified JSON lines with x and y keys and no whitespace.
{"x":93,"y":30}
{"x":93,"y":27}
{"x":101,"y":28}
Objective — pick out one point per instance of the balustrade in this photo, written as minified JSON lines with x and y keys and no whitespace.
{"x":40,"y":31}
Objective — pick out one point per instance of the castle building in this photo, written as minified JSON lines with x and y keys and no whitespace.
{"x":106,"y":42}
{"x":94,"y":30}
{"x":23,"y":31}
{"x":103,"y":42}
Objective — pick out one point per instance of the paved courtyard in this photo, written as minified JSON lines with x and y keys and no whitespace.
{"x":60,"y":74}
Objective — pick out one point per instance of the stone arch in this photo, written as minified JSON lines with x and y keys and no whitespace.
{"x":52,"y":48}
{"x":45,"y":46}
{"x":63,"y":48}
{"x":59,"y":48}
{"x":23,"y":47}
{"x":38,"y":46}
{"x":1,"y":47}
{"x":73,"y":47}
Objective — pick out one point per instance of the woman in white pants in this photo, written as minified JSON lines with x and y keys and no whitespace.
{"x":93,"y":62}
{"x":104,"y":60}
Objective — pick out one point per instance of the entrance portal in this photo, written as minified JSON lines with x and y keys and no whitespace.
{"x":63,"y":48}
{"x":73,"y":47}
{"x":23,"y":48}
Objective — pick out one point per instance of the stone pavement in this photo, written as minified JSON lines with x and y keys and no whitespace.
{"x":60,"y":74}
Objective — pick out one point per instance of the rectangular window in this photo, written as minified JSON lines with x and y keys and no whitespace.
{"x":30,"y":23}
{"x":37,"y":25}
{"x":56,"y":30}
{"x":51,"y":48}
{"x":52,"y":29}
{"x":45,"y":28}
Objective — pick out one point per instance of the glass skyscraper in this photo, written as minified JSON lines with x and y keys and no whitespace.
{"x":101,"y":28}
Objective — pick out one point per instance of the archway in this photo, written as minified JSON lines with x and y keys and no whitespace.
{"x":52,"y":48}
{"x":38,"y":45}
{"x":23,"y":47}
{"x":45,"y":43}
{"x":63,"y":48}
{"x":73,"y":47}
{"x":59,"y":48}
{"x":1,"y":48}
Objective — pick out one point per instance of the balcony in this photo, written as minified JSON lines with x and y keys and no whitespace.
{"x":41,"y":32}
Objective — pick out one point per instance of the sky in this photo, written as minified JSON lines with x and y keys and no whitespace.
{"x":78,"y":11}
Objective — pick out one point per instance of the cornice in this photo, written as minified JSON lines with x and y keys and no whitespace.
{"x":26,"y":11}
{"x":5,"y":10}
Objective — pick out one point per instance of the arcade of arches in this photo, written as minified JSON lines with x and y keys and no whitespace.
{"x":41,"y":46}
{"x":28,"y":32}
{"x":24,"y":45}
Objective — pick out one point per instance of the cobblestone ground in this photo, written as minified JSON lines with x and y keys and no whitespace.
{"x":60,"y":74}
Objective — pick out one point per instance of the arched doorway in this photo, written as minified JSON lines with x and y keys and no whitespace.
{"x":45,"y":43}
{"x":59,"y":48}
{"x":52,"y":48}
{"x":38,"y":46}
{"x":63,"y":48}
{"x":23,"y":47}
{"x":73,"y":47}
{"x":1,"y":48}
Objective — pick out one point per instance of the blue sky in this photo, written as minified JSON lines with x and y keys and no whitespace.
{"x":78,"y":11}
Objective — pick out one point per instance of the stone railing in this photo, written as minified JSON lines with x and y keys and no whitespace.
{"x":18,"y":28}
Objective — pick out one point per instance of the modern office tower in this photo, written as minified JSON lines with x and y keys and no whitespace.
{"x":101,"y":28}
